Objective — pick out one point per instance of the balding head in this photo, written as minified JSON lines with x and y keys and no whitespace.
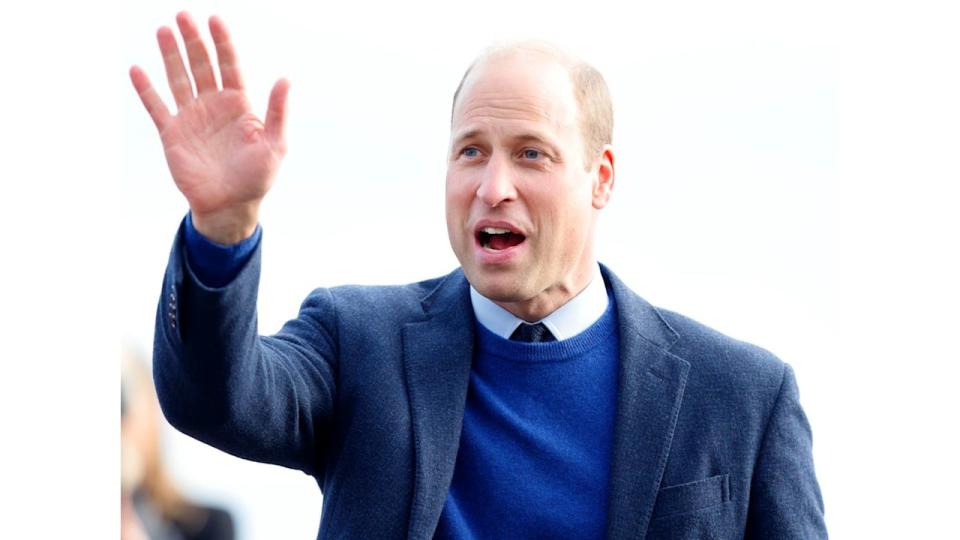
{"x":595,"y":109}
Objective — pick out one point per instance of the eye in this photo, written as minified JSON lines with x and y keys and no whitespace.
{"x":531,"y":153}
{"x":470,"y":152}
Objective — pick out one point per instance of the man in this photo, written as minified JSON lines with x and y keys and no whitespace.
{"x":528,"y":394}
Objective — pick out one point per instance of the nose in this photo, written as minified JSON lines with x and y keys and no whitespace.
{"x":497,"y":184}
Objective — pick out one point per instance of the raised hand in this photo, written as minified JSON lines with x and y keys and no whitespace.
{"x":222,"y":157}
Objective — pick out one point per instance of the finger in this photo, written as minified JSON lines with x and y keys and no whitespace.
{"x":176,"y":73}
{"x":151,"y":100}
{"x":226,"y":57}
{"x":277,"y":112}
{"x":203,"y":75}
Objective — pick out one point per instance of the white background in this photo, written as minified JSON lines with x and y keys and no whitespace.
{"x":786,"y":173}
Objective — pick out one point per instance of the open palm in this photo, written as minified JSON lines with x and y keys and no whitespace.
{"x":222,"y":157}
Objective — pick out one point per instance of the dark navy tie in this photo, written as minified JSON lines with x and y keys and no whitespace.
{"x":532,"y":333}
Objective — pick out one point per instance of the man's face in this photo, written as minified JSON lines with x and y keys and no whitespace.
{"x":521,"y":203}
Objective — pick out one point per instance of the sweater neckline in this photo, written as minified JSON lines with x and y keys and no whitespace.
{"x":596,"y":334}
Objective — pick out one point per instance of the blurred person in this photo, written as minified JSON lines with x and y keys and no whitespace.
{"x":151,"y":504}
{"x":528,"y":394}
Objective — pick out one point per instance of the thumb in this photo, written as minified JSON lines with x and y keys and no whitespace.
{"x":277,"y":113}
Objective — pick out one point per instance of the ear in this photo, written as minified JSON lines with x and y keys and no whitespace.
{"x":604,"y":177}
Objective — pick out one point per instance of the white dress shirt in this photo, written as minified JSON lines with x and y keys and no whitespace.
{"x":565,"y":322}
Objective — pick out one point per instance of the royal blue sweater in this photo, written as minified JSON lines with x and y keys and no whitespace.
{"x":537,"y":439}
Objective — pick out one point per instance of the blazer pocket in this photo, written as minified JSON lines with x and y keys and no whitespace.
{"x":683,"y":498}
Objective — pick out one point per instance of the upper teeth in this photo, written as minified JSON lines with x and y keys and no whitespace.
{"x":495,"y":230}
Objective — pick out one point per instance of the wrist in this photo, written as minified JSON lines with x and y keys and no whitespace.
{"x":227,"y":227}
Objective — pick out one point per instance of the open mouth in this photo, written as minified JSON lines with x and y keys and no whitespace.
{"x":497,"y":239}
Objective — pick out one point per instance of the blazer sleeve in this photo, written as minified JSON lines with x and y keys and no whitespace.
{"x":785,"y":500}
{"x":267,"y":399}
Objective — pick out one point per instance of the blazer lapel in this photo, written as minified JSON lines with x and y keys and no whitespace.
{"x":650,"y":391}
{"x":437,"y":354}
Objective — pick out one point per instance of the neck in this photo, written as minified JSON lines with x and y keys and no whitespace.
{"x":552,"y":298}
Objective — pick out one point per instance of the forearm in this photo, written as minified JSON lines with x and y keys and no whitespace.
{"x":220,"y":382}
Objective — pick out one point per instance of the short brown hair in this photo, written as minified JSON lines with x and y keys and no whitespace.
{"x":590,"y":89}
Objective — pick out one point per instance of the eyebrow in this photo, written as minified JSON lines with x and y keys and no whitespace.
{"x":464,"y":136}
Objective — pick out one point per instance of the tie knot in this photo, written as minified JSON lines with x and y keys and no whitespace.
{"x":532,"y":333}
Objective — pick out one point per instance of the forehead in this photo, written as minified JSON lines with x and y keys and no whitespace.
{"x":514,"y":90}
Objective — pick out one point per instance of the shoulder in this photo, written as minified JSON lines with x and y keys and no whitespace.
{"x":723,"y":364}
{"x":720,"y":355}
{"x":388,"y":301}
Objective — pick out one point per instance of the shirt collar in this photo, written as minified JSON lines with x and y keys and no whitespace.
{"x":565,"y":322}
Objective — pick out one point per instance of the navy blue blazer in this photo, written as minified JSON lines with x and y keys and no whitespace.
{"x":365,"y":391}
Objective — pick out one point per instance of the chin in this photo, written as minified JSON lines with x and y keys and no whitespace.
{"x":499,"y":288}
